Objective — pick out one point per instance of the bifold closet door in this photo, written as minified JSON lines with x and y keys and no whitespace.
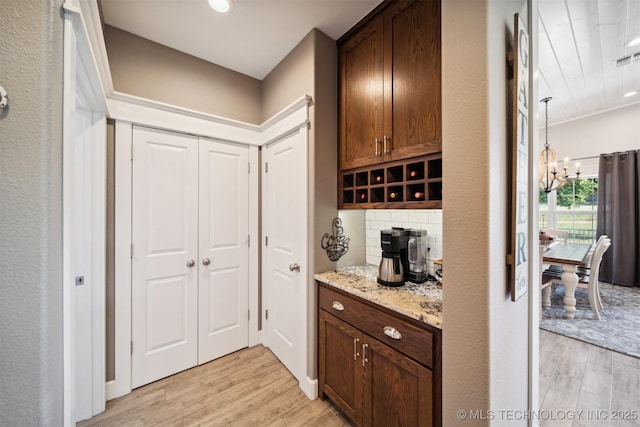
{"x":164,"y":254}
{"x":224,"y":253}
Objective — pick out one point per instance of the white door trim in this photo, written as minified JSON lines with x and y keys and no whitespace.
{"x":83,"y":89}
{"x":123,"y":227}
{"x":534,"y":262}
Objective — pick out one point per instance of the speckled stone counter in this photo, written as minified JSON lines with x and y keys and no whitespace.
{"x":418,"y":301}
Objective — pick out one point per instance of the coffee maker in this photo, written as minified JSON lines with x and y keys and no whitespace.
{"x":417,"y":255}
{"x":394,"y":265}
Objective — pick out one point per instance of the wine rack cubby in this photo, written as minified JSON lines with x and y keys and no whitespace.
{"x":415,"y":183}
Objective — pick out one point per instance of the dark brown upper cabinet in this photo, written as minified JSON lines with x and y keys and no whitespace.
{"x":390,"y":139}
{"x":390,"y":85}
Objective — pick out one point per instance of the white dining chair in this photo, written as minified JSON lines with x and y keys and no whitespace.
{"x":586,"y":261}
{"x":593,"y":284}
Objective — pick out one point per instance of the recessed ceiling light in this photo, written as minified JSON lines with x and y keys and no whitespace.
{"x":634,"y":42}
{"x":222,"y":6}
{"x":628,"y":94}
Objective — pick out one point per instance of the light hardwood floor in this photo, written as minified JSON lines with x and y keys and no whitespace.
{"x":252,"y":388}
{"x":247,"y":388}
{"x":586,"y":385}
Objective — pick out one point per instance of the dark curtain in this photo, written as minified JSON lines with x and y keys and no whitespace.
{"x":619,"y":216}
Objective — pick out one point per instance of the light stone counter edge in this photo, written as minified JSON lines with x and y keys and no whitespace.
{"x":422,"y":302}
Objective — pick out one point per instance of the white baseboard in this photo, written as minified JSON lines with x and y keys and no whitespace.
{"x":110,"y":390}
{"x":309,"y":388}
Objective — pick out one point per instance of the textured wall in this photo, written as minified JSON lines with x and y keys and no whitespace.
{"x":31,"y":214}
{"x":485,"y":335}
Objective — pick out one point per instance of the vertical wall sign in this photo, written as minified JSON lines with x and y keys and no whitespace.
{"x":520,"y":162}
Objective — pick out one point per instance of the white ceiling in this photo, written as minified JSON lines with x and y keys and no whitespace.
{"x":252,"y":39}
{"x":579,"y":40}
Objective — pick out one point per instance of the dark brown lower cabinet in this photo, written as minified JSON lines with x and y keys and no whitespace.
{"x":373,"y":383}
{"x":341,"y":373}
{"x":397,"y":390}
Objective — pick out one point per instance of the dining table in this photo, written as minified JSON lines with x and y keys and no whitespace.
{"x":568,"y":256}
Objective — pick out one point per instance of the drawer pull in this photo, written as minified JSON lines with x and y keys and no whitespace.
{"x":392,"y":332}
{"x":355,"y":348}
{"x":338,"y":306}
{"x":364,"y":354}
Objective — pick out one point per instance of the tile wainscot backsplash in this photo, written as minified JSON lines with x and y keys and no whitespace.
{"x":381,"y":219}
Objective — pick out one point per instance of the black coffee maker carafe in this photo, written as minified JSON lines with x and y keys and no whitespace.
{"x":394,"y":266}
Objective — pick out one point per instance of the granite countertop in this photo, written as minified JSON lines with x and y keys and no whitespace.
{"x":422,"y":302}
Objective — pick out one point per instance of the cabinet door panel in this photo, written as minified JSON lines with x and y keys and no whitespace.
{"x":361,"y":92}
{"x":398,"y":391}
{"x":341,"y":365}
{"x":412,"y":79}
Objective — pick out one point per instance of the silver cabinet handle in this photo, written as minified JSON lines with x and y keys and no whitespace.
{"x":386,"y":139}
{"x":377,"y":142}
{"x":355,"y":348}
{"x":191,"y":263}
{"x":294,"y":267}
{"x":392,"y":332}
{"x":206,"y":261}
{"x":337,"y":306}
{"x":364,"y":354}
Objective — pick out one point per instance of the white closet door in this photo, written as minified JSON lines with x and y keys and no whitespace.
{"x":224,"y":253}
{"x":165,"y":254}
{"x":285,"y":219}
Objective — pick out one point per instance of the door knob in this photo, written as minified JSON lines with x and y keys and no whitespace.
{"x":206,"y":261}
{"x":191,"y":263}
{"x":294,"y":267}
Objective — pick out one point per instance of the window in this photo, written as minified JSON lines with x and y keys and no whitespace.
{"x":574,"y":208}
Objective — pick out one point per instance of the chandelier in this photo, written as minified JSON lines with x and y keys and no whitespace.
{"x":550,"y":177}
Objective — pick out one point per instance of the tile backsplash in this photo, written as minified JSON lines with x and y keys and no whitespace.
{"x":425,"y":219}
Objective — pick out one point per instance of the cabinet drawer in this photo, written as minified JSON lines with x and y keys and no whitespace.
{"x":391,"y":329}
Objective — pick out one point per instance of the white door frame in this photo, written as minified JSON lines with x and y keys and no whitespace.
{"x":84,"y":184}
{"x":123,"y":227}
{"x":534,"y":262}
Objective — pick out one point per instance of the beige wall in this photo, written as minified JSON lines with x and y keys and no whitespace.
{"x":149,"y":70}
{"x":485,"y":334}
{"x":311,"y":69}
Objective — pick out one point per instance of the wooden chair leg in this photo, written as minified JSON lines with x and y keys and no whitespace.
{"x":599,"y":296}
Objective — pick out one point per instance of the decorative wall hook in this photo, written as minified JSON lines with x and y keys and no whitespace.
{"x":337,"y":244}
{"x":4,"y":99}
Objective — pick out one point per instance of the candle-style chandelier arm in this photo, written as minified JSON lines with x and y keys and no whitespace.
{"x":549,"y":177}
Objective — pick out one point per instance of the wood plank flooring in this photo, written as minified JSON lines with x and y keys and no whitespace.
{"x":247,"y":388}
{"x":585,"y":385}
{"x":579,"y":382}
